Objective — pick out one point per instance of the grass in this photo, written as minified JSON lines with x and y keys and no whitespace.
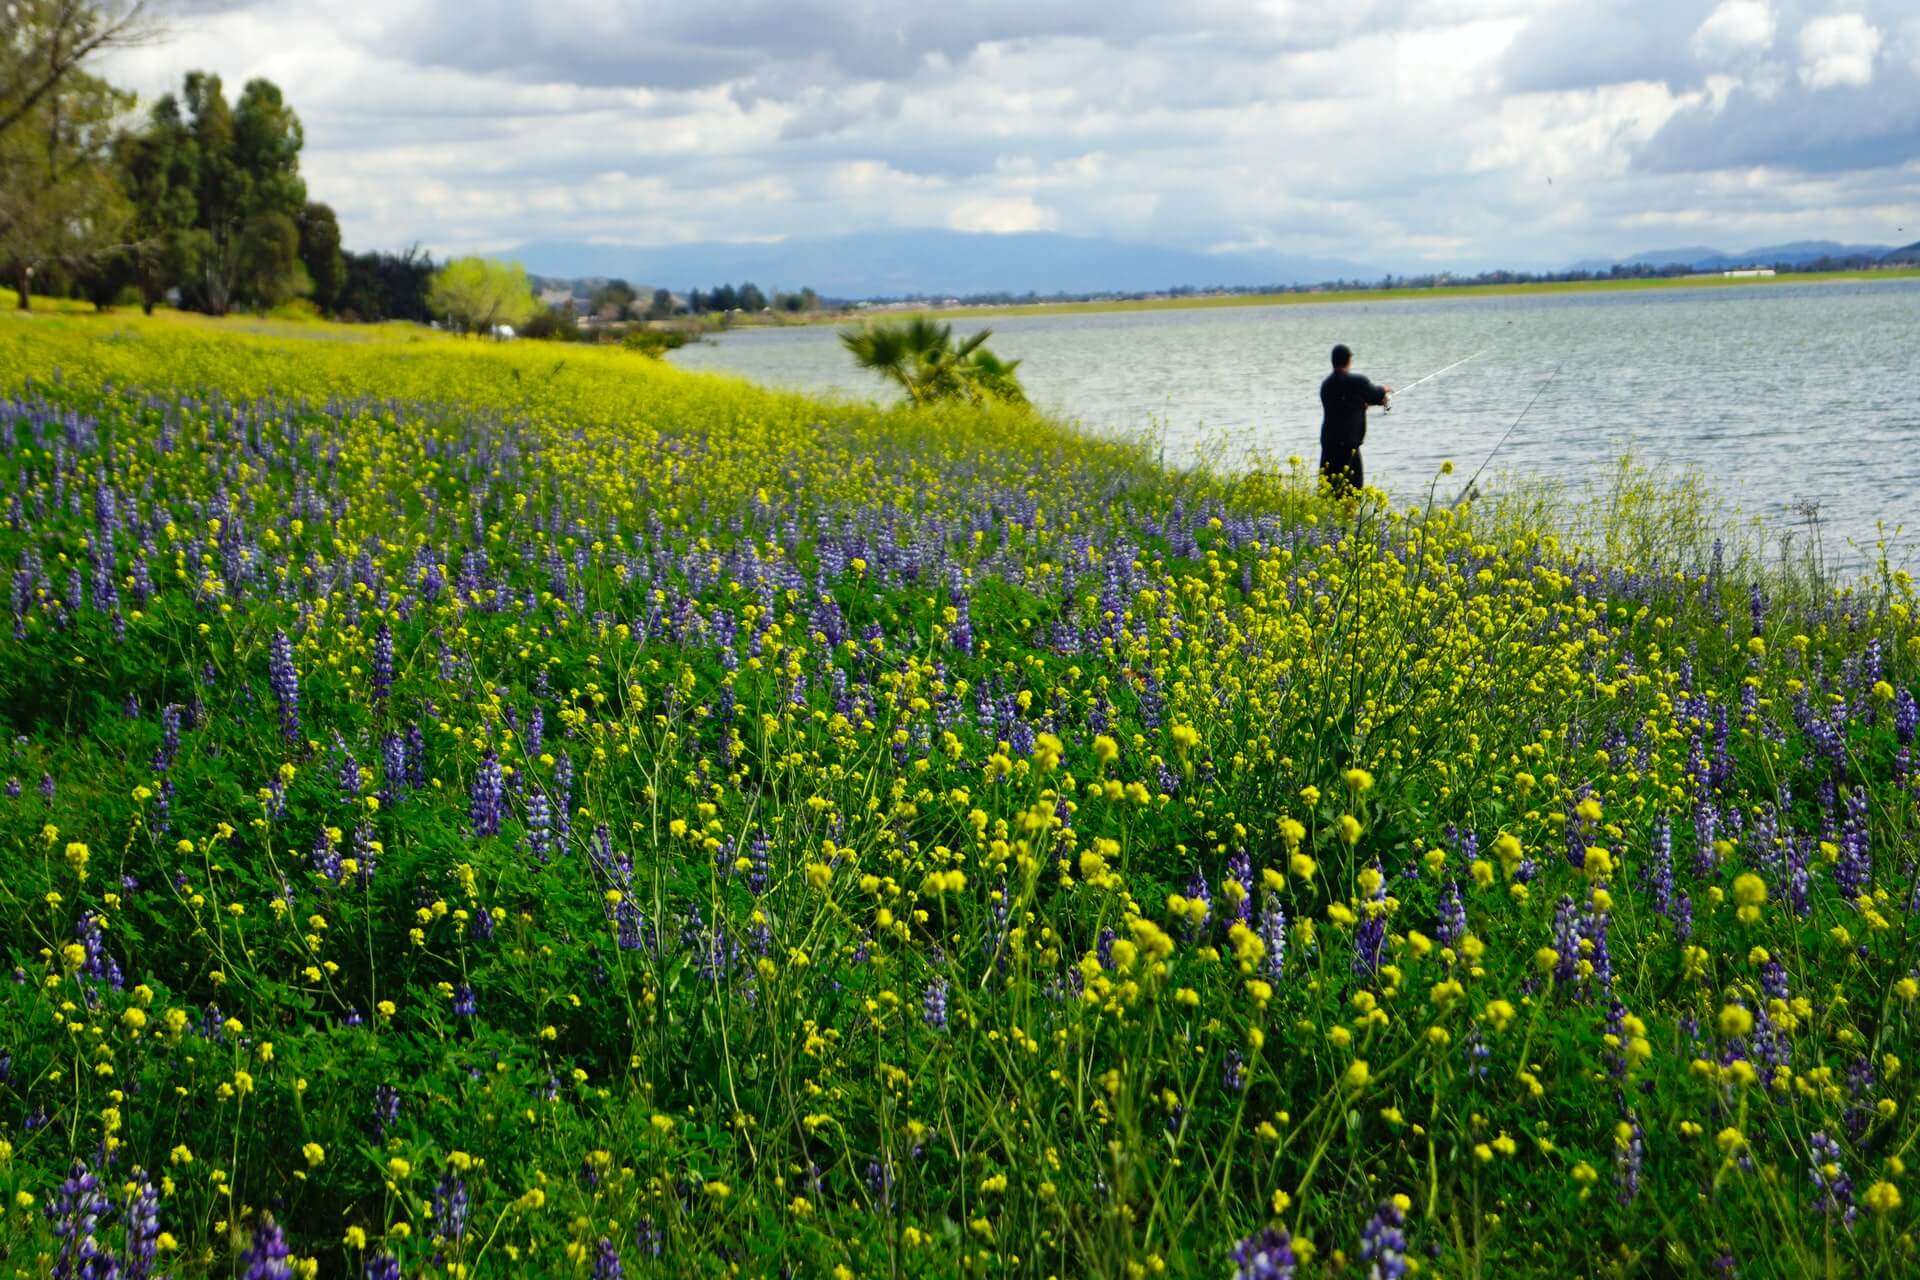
{"x":488,"y":810}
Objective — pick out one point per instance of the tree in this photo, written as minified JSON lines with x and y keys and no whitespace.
{"x":320,"y":255}
{"x":60,"y":205}
{"x":750,"y":299}
{"x":661,"y":305}
{"x":923,"y":360}
{"x":613,"y":300}
{"x":248,"y":190}
{"x":479,"y":293}
{"x":44,"y":42}
{"x":388,"y":286}
{"x":156,"y":168}
{"x":270,"y":273}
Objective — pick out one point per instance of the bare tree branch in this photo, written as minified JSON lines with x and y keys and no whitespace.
{"x":68,"y":33}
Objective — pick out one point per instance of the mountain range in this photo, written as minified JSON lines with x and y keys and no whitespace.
{"x":930,"y":263}
{"x":1704,"y":258}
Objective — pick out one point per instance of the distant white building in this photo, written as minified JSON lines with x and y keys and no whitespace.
{"x":504,"y":332}
{"x":1747,"y":273}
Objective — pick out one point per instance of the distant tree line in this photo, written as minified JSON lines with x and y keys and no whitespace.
{"x":616,"y":300}
{"x":1624,"y":271}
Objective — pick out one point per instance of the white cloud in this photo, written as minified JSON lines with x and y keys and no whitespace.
{"x":1838,"y":49}
{"x":1733,"y":30}
{"x":1001,"y":215}
{"x":1384,"y":131}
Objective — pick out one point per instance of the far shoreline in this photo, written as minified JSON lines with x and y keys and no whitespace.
{"x":1349,"y":296}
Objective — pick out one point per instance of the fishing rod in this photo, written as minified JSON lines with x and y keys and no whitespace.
{"x":1436,"y":373}
{"x":1503,"y":439}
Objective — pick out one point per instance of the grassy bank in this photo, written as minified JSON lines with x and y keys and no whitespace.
{"x":1332,"y":296}
{"x":506,"y":810}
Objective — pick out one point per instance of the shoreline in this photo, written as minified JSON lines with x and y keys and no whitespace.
{"x":1349,"y":296}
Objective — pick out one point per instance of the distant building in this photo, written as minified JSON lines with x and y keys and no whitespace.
{"x":1745,"y":273}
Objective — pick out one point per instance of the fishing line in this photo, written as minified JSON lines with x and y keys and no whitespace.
{"x":1436,"y":373}
{"x":1503,"y":439}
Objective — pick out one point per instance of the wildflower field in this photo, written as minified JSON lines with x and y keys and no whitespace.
{"x":474,"y":811}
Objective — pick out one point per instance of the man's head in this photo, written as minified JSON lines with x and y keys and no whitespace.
{"x":1341,"y":356}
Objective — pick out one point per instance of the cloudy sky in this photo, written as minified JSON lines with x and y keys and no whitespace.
{"x":1401,"y":132}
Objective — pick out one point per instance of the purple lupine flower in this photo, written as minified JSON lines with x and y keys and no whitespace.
{"x":98,"y":965}
{"x":386,"y":1109}
{"x":1265,"y":1255}
{"x":538,"y":824}
{"x":1383,"y":1245}
{"x":285,"y":681}
{"x":1273,"y":932}
{"x":169,"y":738}
{"x":349,"y":774}
{"x":488,"y":796}
{"x":1853,"y":871}
{"x":1833,"y":1189}
{"x":1450,"y":926}
{"x":416,"y":758}
{"x":382,"y":663}
{"x":606,"y":1261}
{"x":1474,"y":1053}
{"x":757,"y":864}
{"x":451,"y":1207}
{"x":143,"y":1227}
{"x":1906,"y":717}
{"x":1566,"y":942}
{"x":1233,"y":1073}
{"x":393,"y":768}
{"x":464,"y":1004}
{"x":1594,"y":932}
{"x":933,"y":1006}
{"x":76,"y":1210}
{"x":1629,"y":1155}
{"x":1658,"y":873}
{"x":1369,"y":939}
{"x":646,"y":1238}
{"x":266,"y":1255}
{"x":382,"y":1266}
{"x":1240,"y":871}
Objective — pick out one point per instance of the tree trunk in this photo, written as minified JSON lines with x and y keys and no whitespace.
{"x":23,"y":281}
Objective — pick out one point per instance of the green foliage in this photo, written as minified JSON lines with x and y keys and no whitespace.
{"x":514,"y":812}
{"x":921,"y":358}
{"x":475,"y":294}
{"x":613,"y":300}
{"x":653,"y":343}
{"x":239,"y":167}
{"x":60,"y":207}
{"x":320,"y":255}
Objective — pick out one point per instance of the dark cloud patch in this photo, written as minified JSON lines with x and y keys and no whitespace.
{"x":1818,"y":131}
{"x":688,"y":44}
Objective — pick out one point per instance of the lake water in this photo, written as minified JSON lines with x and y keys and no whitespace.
{"x":1786,"y":395}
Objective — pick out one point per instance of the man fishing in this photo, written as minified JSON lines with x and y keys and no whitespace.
{"x":1344,"y":398}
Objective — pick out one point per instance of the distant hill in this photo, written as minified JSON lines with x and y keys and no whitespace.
{"x":1909,"y":254}
{"x":903,"y":263}
{"x":1702,"y":258}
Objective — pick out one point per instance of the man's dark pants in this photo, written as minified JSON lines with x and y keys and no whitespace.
{"x":1341,"y":470}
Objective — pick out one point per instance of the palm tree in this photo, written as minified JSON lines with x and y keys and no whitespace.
{"x":922,"y":359}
